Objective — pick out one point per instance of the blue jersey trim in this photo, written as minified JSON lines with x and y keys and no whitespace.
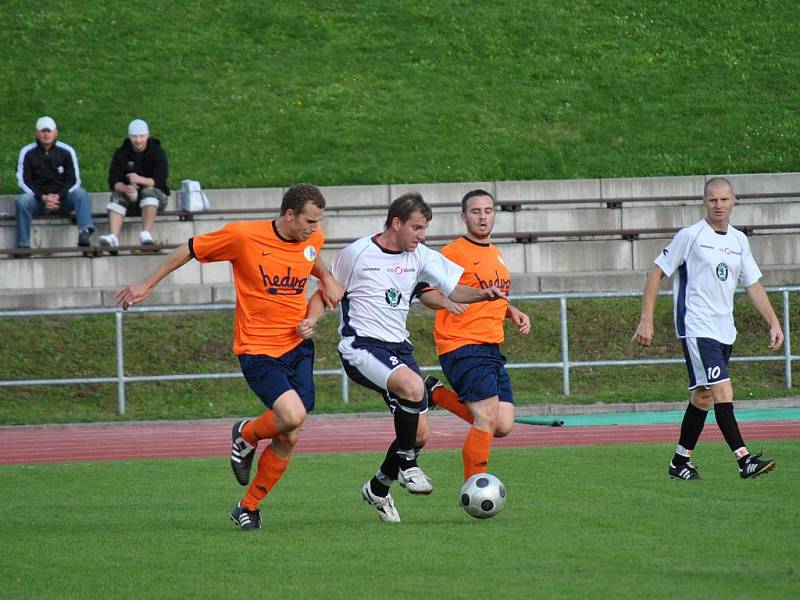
{"x":680,"y":317}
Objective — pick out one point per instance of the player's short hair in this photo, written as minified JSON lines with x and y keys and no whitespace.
{"x":406,"y":205}
{"x":716,"y":182}
{"x":298,"y":195}
{"x":473,"y":194}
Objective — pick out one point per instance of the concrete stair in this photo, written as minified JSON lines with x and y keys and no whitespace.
{"x":574,"y":262}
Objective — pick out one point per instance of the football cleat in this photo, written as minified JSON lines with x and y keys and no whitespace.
{"x":431,"y":384}
{"x":686,"y":471}
{"x":242,"y":454}
{"x":246,"y":519}
{"x":415,"y":480}
{"x":755,"y":467}
{"x":387,"y":511}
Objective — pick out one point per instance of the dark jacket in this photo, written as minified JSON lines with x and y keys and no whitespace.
{"x":150,"y":163}
{"x":53,"y":171}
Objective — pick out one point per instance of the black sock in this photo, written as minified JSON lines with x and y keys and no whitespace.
{"x":390,"y":467}
{"x":726,"y":421}
{"x":405,"y":428}
{"x":378,"y":488}
{"x":692,"y":426}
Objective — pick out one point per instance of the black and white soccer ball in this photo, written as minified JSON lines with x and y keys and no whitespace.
{"x":483,"y":496}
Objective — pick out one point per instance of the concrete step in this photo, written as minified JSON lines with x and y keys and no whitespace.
{"x":209,"y":293}
{"x":540,"y":258}
{"x":346,"y":225}
{"x":597,"y":192}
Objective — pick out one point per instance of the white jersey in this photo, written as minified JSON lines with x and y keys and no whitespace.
{"x":379,"y":284}
{"x":710,"y":265}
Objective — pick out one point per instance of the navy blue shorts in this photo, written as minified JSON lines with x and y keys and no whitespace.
{"x":270,"y":377}
{"x":370,"y":362}
{"x":477,"y":372}
{"x":706,"y":360}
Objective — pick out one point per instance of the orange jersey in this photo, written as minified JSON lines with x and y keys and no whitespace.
{"x":270,"y":275}
{"x":482,"y":323}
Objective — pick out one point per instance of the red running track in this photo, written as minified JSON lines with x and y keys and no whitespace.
{"x":320,"y":434}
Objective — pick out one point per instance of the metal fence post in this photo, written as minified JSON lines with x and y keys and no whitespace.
{"x":345,"y":388}
{"x":564,"y":346}
{"x":787,"y":341}
{"x":120,"y":364}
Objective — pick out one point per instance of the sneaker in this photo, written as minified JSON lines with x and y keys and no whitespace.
{"x":84,"y":238}
{"x":387,"y":511}
{"x":415,"y":480}
{"x":145,"y":239}
{"x":242,"y":454}
{"x":431,"y":383}
{"x":755,"y":467}
{"x":685,"y":471}
{"x":109,"y":241}
{"x":246,"y":519}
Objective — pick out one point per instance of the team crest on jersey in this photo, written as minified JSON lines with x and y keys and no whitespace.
{"x":393,"y":297}
{"x":310,"y":253}
{"x":722,"y":271}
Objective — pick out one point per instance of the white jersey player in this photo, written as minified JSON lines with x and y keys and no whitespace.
{"x":380,"y":274}
{"x":708,"y":260}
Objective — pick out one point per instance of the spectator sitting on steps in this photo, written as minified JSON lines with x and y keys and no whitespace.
{"x":138,"y":181}
{"x":48,"y":174}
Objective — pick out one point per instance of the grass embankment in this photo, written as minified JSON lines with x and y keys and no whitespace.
{"x":160,"y":529}
{"x":253,"y":94}
{"x":200,"y":342}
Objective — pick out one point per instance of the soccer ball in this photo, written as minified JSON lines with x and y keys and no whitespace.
{"x":483,"y":496}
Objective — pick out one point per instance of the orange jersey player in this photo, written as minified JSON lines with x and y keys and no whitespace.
{"x":272,"y":262}
{"x":468,"y":341}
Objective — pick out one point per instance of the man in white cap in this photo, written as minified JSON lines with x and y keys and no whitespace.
{"x":48,"y":174}
{"x":138,"y":181}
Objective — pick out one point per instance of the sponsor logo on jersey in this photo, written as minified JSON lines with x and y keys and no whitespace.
{"x":665,"y":251}
{"x":283,"y":285}
{"x":365,"y":269}
{"x":706,"y":246}
{"x":498,"y":282}
{"x":729,"y":251}
{"x":722,"y":271}
{"x":310,"y":253}
{"x":399,"y":270}
{"x":393,"y":297}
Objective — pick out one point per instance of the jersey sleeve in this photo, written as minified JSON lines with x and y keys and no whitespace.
{"x":222,"y":244}
{"x":749,"y":273}
{"x":674,"y":255}
{"x":344,"y":262}
{"x":440,"y":272}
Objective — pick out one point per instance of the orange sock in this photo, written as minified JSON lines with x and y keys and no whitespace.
{"x":475,"y":452}
{"x":270,"y":470}
{"x":449,"y":399}
{"x":260,"y":428}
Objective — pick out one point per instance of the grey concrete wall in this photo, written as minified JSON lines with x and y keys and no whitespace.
{"x":604,"y":255}
{"x":570,"y":189}
{"x":556,"y":189}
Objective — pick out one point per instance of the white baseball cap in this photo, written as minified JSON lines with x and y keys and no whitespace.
{"x":45,"y":123}
{"x":138,"y":127}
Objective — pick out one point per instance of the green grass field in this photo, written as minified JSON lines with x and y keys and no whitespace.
{"x":200,"y":342}
{"x":254,"y":94}
{"x":160,"y":529}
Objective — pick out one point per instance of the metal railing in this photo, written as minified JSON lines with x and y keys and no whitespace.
{"x":565,"y":364}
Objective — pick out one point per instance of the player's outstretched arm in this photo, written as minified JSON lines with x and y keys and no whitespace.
{"x":316,"y":308}
{"x":645,"y":331}
{"x":435,"y":300}
{"x":465,"y":294}
{"x":758,"y":298}
{"x":520,"y":319}
{"x":331,"y":290}
{"x":135,"y":293}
